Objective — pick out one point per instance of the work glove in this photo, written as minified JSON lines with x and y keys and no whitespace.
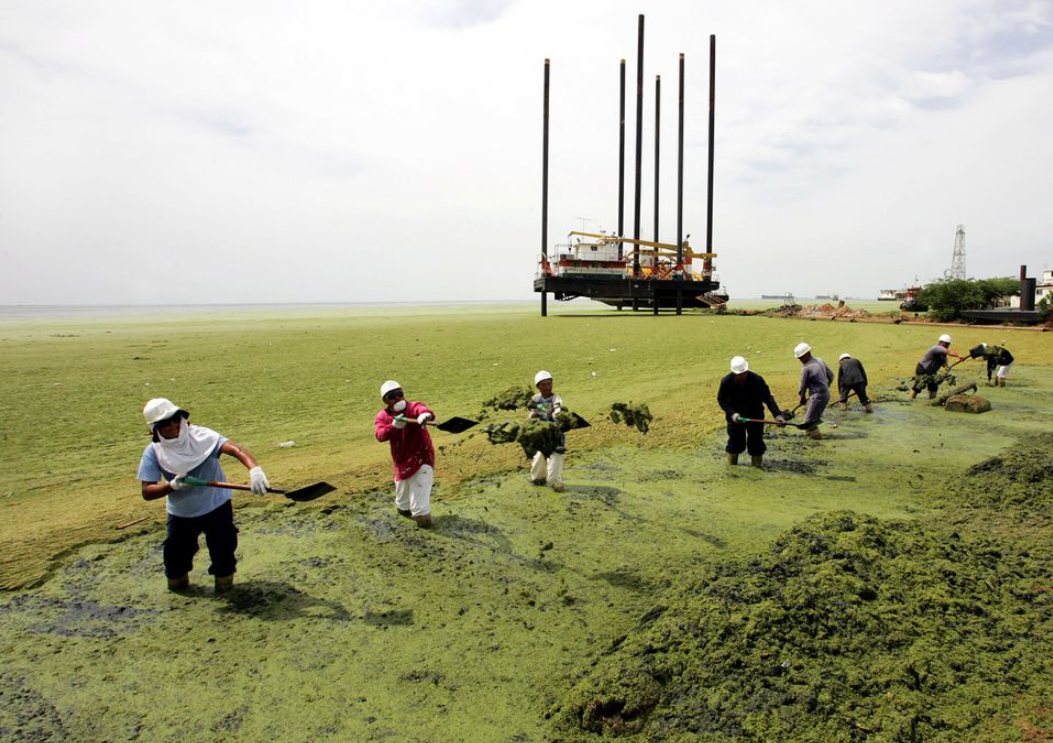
{"x":258,"y":481}
{"x":400,"y":422}
{"x":804,"y":400}
{"x":780,"y":420}
{"x":179,"y":483}
{"x":740,"y":418}
{"x":423,"y":418}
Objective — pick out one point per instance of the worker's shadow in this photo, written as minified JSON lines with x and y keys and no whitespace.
{"x":481,"y":535}
{"x":275,"y":601}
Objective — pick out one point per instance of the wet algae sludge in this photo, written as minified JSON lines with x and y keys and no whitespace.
{"x":849,"y":628}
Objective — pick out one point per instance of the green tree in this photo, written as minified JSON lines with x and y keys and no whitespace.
{"x":948,"y":298}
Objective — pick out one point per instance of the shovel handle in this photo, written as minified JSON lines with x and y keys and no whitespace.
{"x":197,"y":482}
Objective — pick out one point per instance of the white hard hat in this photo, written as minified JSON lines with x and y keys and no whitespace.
{"x":388,"y":386}
{"x":160,"y":409}
{"x":739,"y":365}
{"x":801,"y":349}
{"x":945,"y":338}
{"x":844,"y":356}
{"x":541,"y":376}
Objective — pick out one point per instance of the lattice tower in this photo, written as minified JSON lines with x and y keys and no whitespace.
{"x":958,"y":259}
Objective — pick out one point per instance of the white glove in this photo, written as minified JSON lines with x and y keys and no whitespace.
{"x":423,"y":418}
{"x":179,"y":483}
{"x":399,"y":422}
{"x":258,"y":481}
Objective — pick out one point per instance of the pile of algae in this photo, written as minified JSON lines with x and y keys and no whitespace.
{"x":1019,"y":477}
{"x":511,"y":399}
{"x":849,"y":628}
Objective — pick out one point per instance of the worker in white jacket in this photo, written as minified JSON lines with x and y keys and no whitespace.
{"x":546,"y":405}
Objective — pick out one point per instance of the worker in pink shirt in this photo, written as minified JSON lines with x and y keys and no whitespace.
{"x":403,"y":424}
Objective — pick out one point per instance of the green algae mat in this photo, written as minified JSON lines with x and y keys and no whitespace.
{"x":890,"y":582}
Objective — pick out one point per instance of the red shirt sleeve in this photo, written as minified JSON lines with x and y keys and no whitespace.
{"x":383,"y":425}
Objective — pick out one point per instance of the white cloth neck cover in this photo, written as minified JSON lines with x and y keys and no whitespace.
{"x":399,"y":406}
{"x":187,"y":450}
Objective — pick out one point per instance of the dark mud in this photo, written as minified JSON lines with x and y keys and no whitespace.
{"x":849,"y":628}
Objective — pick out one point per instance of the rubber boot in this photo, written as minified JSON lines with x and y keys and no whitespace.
{"x":932,"y":395}
{"x":869,"y":408}
{"x":539,"y":483}
{"x":733,"y":458}
{"x":179,"y":584}
{"x":913,"y":394}
{"x":423,"y":521}
{"x":757,"y":461}
{"x":405,"y":514}
{"x":1001,"y":381}
{"x":813,"y":433}
{"x":843,"y":405}
{"x":558,"y":487}
{"x":224,"y":583}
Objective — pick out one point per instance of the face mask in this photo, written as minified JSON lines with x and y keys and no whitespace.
{"x":399,"y":406}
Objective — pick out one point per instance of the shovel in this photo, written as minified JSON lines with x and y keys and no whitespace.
{"x":301,"y":495}
{"x":802,"y":426}
{"x":576,"y":421}
{"x":452,"y":425}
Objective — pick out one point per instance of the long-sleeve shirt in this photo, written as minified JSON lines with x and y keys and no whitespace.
{"x":545,"y":408}
{"x":997,"y":356}
{"x":747,"y":398}
{"x":411,"y":446}
{"x":816,"y":377}
{"x":850,"y":373}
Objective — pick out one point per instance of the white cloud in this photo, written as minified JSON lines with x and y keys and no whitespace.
{"x":312,"y":153}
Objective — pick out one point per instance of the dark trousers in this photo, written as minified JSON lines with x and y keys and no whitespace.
{"x":919,"y":372}
{"x":860,"y":390}
{"x":221,"y":536}
{"x":746,"y":437}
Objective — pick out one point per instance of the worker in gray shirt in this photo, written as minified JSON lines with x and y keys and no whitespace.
{"x":816,"y":377}
{"x":852,"y":377}
{"x":931,"y":363}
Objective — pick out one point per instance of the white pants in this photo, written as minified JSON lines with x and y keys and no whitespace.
{"x":550,"y":469}
{"x":414,"y":493}
{"x":1003,"y":372}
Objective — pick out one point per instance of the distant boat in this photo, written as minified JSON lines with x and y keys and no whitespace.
{"x":892,"y":295}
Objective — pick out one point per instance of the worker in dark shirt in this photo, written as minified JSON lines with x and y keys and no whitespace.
{"x":852,"y":377}
{"x":998,"y":362}
{"x":744,"y":394}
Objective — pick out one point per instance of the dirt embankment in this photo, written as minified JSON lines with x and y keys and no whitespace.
{"x":849,"y":628}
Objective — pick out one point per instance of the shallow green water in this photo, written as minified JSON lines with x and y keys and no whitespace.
{"x":349,"y":623}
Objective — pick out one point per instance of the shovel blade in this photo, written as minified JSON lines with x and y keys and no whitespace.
{"x":578,"y":422}
{"x":456,"y":425}
{"x":311,"y":492}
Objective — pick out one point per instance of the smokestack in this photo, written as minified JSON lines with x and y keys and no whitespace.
{"x":1027,"y":291}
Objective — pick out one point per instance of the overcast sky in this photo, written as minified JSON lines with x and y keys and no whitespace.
{"x":361,"y":151}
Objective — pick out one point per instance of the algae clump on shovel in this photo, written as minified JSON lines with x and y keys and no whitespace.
{"x":634,"y":416}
